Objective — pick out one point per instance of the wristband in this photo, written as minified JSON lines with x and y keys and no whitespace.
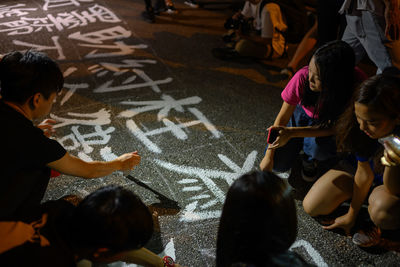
{"x":168,"y":261}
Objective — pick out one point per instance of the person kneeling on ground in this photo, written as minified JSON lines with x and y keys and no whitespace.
{"x":111,"y":224}
{"x":258,"y":223}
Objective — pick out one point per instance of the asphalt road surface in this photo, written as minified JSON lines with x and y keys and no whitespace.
{"x":198,"y":122}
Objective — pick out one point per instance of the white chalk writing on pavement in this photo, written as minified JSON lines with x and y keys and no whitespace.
{"x":101,"y":117}
{"x":38,"y":47}
{"x":59,"y":22}
{"x":169,"y":126}
{"x":315,"y":256}
{"x":17,"y":10}
{"x":165,"y":105}
{"x":59,"y":3}
{"x":194,"y":212}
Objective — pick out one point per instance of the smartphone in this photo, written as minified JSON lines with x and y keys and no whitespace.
{"x":393,"y":140}
{"x":272,"y":135}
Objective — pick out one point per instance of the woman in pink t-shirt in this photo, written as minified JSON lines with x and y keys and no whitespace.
{"x":312,"y":101}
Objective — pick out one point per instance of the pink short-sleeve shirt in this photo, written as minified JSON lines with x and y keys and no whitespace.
{"x":293,"y":92}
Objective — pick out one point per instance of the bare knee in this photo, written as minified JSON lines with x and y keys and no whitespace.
{"x":378,"y":213}
{"x":384,"y":209}
{"x":309,"y":207}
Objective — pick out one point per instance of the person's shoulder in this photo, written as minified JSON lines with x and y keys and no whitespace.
{"x":10,"y":116}
{"x":303,"y":70}
{"x":301,"y":75}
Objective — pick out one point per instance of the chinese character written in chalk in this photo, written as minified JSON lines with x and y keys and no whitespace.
{"x":205,"y":184}
{"x":135,"y":77}
{"x":176,"y":129}
{"x":57,"y":3}
{"x":60,"y":22}
{"x":17,"y":10}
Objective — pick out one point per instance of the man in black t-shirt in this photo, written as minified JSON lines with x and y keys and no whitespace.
{"x":29,"y":85}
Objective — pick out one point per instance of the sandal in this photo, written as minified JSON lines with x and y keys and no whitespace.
{"x":368,"y":238}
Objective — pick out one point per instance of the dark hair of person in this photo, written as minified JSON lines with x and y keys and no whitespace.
{"x":258,"y":221}
{"x":22,"y":75}
{"x":381,"y":93}
{"x":335,"y":62}
{"x":111,"y":217}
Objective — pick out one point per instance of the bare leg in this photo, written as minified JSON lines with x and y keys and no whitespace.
{"x":384,"y":209}
{"x":306,"y":45}
{"x":328,"y":192}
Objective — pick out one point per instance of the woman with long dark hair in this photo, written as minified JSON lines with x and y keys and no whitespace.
{"x":312,"y":102}
{"x":258,"y":223}
{"x":373,"y":114}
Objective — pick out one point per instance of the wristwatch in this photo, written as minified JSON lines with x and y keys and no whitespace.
{"x":168,"y":261}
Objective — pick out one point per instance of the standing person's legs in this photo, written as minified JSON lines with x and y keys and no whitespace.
{"x":375,"y":39}
{"x":148,"y":14}
{"x":352,"y":34}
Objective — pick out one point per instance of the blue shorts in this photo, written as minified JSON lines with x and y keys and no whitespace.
{"x":318,"y":148}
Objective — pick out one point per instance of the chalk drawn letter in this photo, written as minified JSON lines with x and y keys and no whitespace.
{"x":71,"y":88}
{"x":207,"y":175}
{"x":101,"y":117}
{"x":90,"y":139}
{"x":165,"y":105}
{"x":148,"y":82}
{"x":15,"y":10}
{"x":98,"y":37}
{"x":56,"y":46}
{"x":98,"y":137}
{"x":174,"y":129}
{"x":58,"y":3}
{"x":189,"y":214}
{"x":316,"y":257}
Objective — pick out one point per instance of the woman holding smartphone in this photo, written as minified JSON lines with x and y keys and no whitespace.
{"x":374,"y":114}
{"x":312,"y":101}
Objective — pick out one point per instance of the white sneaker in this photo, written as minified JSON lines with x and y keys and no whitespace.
{"x":170,"y":9}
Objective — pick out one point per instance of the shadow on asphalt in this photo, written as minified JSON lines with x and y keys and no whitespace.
{"x":166,"y":206}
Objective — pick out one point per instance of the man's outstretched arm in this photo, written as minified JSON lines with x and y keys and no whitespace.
{"x":74,"y":166}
